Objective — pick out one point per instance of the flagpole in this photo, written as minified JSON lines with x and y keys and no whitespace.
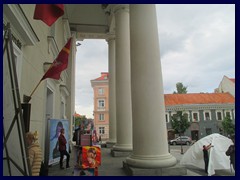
{"x":66,"y":48}
{"x":26,"y":99}
{"x":35,"y":88}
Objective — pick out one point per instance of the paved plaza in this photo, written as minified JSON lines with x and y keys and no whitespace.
{"x":112,"y":166}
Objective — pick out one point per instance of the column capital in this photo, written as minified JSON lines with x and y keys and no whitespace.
{"x":110,"y":37}
{"x":120,"y":8}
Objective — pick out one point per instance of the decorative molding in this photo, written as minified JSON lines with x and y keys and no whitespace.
{"x":194,"y":126}
{"x":46,"y":66}
{"x":66,"y":27}
{"x":110,"y":37}
{"x":196,"y":107}
{"x":14,"y":39}
{"x":64,"y":90}
{"x":82,"y":36}
{"x":120,"y":7}
{"x":52,"y":46}
{"x":22,"y":29}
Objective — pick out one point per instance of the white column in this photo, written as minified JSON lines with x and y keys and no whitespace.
{"x":123,"y":82}
{"x":150,"y":146}
{"x":112,"y":90}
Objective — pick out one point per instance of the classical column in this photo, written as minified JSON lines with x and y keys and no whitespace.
{"x":123,"y":82}
{"x":112,"y":90}
{"x":150,"y":146}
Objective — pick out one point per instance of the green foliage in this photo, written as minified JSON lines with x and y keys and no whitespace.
{"x":79,"y":120}
{"x":228,"y":126}
{"x":180,"y":89}
{"x":180,"y":123}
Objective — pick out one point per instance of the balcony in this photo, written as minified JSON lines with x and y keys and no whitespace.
{"x":101,"y":108}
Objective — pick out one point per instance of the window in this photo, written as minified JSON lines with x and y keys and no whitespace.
{"x":219,"y":116}
{"x":101,"y":130}
{"x":186,"y":115}
{"x":101,"y":117}
{"x":228,"y":113}
{"x":100,"y":91}
{"x":166,"y":116}
{"x":101,"y":103}
{"x":195,"y":116}
{"x":207,"y":115}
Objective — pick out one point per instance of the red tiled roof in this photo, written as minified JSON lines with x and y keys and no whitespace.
{"x":232,"y":79}
{"x":198,"y":98}
{"x":104,"y":76}
{"x":77,"y":115}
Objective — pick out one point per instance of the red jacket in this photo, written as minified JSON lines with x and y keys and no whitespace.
{"x":62,"y":142}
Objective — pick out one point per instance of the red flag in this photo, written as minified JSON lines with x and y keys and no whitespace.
{"x":59,"y":64}
{"x":48,"y":13}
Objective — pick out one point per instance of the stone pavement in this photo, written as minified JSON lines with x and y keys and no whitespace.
{"x":112,"y":166}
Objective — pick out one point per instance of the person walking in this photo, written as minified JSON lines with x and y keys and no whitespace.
{"x":206,"y":156}
{"x":62,"y":148}
{"x":34,"y":153}
{"x":231,"y":152}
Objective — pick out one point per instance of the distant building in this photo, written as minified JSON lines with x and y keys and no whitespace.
{"x":101,"y":105}
{"x":205,"y":111}
{"x":226,"y":85}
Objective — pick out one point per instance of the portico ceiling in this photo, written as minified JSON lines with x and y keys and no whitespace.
{"x":89,"y":21}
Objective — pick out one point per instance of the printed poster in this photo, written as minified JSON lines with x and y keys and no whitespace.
{"x":55,"y":125}
{"x":91,"y":156}
{"x":84,"y":172}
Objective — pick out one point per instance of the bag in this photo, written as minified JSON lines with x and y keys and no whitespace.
{"x":42,"y":170}
{"x":70,"y":150}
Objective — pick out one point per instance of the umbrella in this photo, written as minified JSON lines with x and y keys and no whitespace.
{"x":217,"y":157}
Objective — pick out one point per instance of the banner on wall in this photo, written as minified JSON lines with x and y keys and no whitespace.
{"x":55,"y":125}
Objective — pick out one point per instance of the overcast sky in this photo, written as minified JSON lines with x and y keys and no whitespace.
{"x":197,"y":48}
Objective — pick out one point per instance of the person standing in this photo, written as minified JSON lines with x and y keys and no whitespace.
{"x":63,"y":149}
{"x":231,"y":152}
{"x":34,"y":153}
{"x":206,"y":156}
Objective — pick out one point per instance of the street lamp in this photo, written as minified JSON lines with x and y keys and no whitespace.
{"x":180,"y":125}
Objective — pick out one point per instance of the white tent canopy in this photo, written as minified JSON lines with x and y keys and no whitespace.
{"x":217,"y":157}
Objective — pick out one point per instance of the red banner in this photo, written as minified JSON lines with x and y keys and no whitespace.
{"x":59,"y":64}
{"x":48,"y":13}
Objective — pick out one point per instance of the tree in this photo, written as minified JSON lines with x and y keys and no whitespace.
{"x":228,"y":126}
{"x":180,"y":89}
{"x":180,"y":123}
{"x":79,"y":120}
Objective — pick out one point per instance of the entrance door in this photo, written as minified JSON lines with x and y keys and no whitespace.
{"x":194,"y":135}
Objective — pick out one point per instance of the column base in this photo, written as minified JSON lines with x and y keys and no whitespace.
{"x":151,"y":162}
{"x":115,"y":153}
{"x":110,"y":144}
{"x":123,"y":147}
{"x":176,"y":170}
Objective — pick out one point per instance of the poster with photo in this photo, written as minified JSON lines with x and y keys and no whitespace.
{"x":91,"y":156}
{"x":55,"y":125}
